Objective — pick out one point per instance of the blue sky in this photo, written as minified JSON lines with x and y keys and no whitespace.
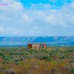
{"x":37,"y":18}
{"x":52,"y":2}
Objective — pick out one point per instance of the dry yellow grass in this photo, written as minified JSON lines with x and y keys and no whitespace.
{"x":36,"y":66}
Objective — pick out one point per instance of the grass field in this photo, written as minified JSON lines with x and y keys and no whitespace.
{"x":54,"y":60}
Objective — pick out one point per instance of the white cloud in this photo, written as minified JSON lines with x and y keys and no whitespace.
{"x":72,"y":4}
{"x":12,"y":6}
{"x":26,"y":18}
{"x":1,"y":29}
{"x":40,"y":6}
{"x":40,"y":19}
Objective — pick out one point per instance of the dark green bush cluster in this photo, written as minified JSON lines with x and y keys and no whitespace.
{"x":48,"y":58}
{"x":62,"y":56}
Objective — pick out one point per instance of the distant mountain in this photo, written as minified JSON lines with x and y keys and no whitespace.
{"x":51,"y":41}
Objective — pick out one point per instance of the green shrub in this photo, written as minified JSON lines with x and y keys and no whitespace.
{"x":48,"y":58}
{"x":1,"y":54}
{"x":62,"y":57}
{"x":19,"y":63}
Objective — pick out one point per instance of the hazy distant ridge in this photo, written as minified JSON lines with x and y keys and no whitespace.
{"x":48,"y":40}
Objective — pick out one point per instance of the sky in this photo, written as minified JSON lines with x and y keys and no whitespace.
{"x":36,"y":18}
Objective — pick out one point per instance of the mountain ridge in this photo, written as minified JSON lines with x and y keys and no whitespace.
{"x":49,"y":40}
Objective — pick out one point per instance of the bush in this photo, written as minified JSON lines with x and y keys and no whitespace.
{"x":62,"y":57}
{"x":48,"y":58}
{"x":19,"y":62}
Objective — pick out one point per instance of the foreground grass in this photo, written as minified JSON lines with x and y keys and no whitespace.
{"x":54,"y":60}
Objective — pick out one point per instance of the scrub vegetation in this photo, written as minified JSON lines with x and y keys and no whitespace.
{"x":20,"y":60}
